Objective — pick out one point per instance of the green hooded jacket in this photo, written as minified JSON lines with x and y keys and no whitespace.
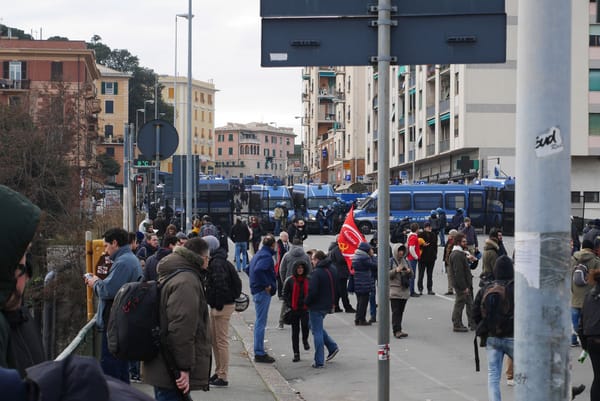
{"x":19,"y":224}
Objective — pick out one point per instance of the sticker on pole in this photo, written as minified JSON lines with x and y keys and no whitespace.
{"x":383,"y":353}
{"x":549,"y":143}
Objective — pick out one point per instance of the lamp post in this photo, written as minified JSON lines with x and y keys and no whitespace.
{"x":145,"y":102}
{"x":188,"y":195}
{"x":137,"y":124}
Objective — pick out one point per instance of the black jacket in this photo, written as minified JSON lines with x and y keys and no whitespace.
{"x":322,"y":287}
{"x":25,"y":345}
{"x":338,"y":260}
{"x":240,"y":233}
{"x":223,"y":282}
{"x":152,"y":262}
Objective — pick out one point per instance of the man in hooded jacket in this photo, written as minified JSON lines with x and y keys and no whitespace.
{"x":20,"y":338}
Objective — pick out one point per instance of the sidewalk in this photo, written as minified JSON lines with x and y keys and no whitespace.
{"x":247,"y":381}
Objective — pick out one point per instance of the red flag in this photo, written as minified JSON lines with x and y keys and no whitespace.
{"x":349,"y":239}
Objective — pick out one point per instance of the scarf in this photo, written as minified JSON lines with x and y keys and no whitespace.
{"x":299,"y":291}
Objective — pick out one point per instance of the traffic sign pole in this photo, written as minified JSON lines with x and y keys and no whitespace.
{"x":384,"y":23}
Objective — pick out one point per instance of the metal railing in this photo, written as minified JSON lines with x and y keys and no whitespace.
{"x":86,"y":337}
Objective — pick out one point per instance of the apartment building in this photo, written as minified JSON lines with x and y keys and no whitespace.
{"x":333,"y":124}
{"x":256,"y":148}
{"x":112,"y":89}
{"x":175,"y":92}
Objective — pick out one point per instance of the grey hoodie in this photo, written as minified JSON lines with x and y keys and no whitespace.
{"x":295,"y":254}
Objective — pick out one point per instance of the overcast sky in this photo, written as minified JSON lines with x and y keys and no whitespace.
{"x":226,"y":47}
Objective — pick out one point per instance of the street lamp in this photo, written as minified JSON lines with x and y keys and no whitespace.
{"x":150,"y":102}
{"x":137,"y":124}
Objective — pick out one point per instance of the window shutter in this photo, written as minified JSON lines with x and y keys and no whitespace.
{"x":5,"y":69}
{"x":23,"y":70}
{"x":115,"y":88}
{"x":103,"y":89}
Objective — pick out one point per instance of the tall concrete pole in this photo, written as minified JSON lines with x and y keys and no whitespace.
{"x":383,"y":201}
{"x":542,"y":318}
{"x":126,"y":180}
{"x":188,"y":173}
{"x":130,"y":208}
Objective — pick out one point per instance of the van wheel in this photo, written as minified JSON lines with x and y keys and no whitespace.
{"x":365,"y":227}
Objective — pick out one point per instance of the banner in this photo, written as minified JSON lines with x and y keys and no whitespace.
{"x":349,"y":239}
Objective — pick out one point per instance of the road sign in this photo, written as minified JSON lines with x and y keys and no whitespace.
{"x":169,"y":139}
{"x":141,"y":163}
{"x":333,"y":8}
{"x":450,"y":39}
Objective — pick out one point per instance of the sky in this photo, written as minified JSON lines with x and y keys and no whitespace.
{"x":225,"y":47}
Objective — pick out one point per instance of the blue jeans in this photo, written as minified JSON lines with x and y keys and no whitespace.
{"x":373,"y":304}
{"x":575,"y":317}
{"x":241,"y":253}
{"x":112,"y":366}
{"x":277,"y":227}
{"x":496,"y":348}
{"x":320,"y":336}
{"x":166,"y":394}
{"x":413,"y":266}
{"x":262,"y":300}
{"x":442,"y":238}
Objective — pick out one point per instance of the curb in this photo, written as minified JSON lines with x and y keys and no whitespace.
{"x":274,"y":381}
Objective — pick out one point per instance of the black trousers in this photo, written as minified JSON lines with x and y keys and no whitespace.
{"x":593,"y":348}
{"x":342,"y":292}
{"x":425,"y":266}
{"x":299,"y":319}
{"x":361,"y":307}
{"x":397,"y":306}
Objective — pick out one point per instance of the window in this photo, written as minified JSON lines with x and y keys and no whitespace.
{"x":591,"y":197}
{"x":201,"y":97}
{"x":273,"y":153}
{"x":110,"y":151}
{"x":171,"y":93}
{"x":14,"y":70}
{"x":595,"y":35}
{"x":476,"y":202}
{"x":220,"y":151}
{"x":454,"y":201}
{"x":230,"y":137}
{"x":287,"y":141}
{"x":209,"y":99}
{"x":257,"y":164}
{"x":594,"y":124}
{"x":273,"y":139}
{"x":202,"y":114}
{"x":230,"y":151}
{"x":575,"y":197}
{"x":400,"y":202}
{"x":109,"y":88}
{"x":594,"y":80}
{"x":56,"y":71}
{"x":266,"y":138}
{"x":427,"y":201}
{"x":281,"y":154}
{"x":109,"y":106}
{"x":195,"y":115}
{"x":108,"y":131}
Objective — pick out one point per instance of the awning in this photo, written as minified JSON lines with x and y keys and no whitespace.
{"x":343,"y":187}
{"x":431,"y":121}
{"x":327,"y":73}
{"x":445,"y":116}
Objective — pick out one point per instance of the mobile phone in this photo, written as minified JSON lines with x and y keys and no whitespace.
{"x":88,"y":275}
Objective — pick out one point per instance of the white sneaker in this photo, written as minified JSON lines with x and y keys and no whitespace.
{"x":510,"y":382}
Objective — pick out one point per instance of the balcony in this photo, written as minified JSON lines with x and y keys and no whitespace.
{"x":430,"y":150}
{"x":93,"y":106}
{"x":15,"y":84}
{"x":444,"y":145}
{"x":430,"y":111}
{"x":444,"y":106}
{"x":375,"y":135}
{"x":326,"y":117}
{"x":253,"y":141}
{"x":340,"y":97}
{"x":401,"y":158}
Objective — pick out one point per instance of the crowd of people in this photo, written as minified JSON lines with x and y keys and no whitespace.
{"x":311,"y":284}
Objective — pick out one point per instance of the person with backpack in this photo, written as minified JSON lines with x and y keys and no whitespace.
{"x":184,"y":324}
{"x":208,"y":228}
{"x":582,"y":262}
{"x":125,"y":268}
{"x":493,"y":311}
{"x":463,"y":283}
{"x":491,"y":251}
{"x":222,"y":288}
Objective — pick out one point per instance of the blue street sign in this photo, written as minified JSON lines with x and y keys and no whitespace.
{"x":403,"y":174}
{"x":333,"y":8}
{"x":348,"y":177}
{"x":449,"y":39}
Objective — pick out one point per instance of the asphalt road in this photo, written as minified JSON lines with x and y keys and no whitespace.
{"x":432,"y":363}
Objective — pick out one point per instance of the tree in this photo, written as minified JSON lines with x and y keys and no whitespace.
{"x":108,"y":165}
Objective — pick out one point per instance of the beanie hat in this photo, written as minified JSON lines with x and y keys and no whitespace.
{"x":212,"y":241}
{"x":587,"y":244}
{"x":181,"y":235}
{"x":139,"y":236}
{"x":365,"y":247}
{"x":503,"y":269}
{"x":427,"y":224}
{"x":452,"y":232}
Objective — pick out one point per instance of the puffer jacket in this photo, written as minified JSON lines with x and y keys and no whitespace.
{"x":223,"y":282}
{"x":18,"y":227}
{"x":588,"y":258}
{"x":365,"y":270}
{"x":397,"y":290}
{"x":184,"y":322}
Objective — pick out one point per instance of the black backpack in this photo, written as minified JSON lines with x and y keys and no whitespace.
{"x":497,"y":309}
{"x":133,"y":330}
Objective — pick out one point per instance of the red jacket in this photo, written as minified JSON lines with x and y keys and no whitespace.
{"x":413,"y":240}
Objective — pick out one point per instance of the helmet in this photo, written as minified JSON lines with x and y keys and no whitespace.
{"x":433,"y":212}
{"x":241,"y":302}
{"x":439,"y":210}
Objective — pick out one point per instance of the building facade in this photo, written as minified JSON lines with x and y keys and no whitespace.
{"x":175,"y":92}
{"x":333,"y":124}
{"x":251,"y":149}
{"x":113,"y":95}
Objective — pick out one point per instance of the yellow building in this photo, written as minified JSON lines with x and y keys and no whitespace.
{"x":175,"y":92}
{"x":113,"y":92}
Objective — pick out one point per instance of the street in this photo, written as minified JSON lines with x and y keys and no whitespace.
{"x":432,"y":363}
